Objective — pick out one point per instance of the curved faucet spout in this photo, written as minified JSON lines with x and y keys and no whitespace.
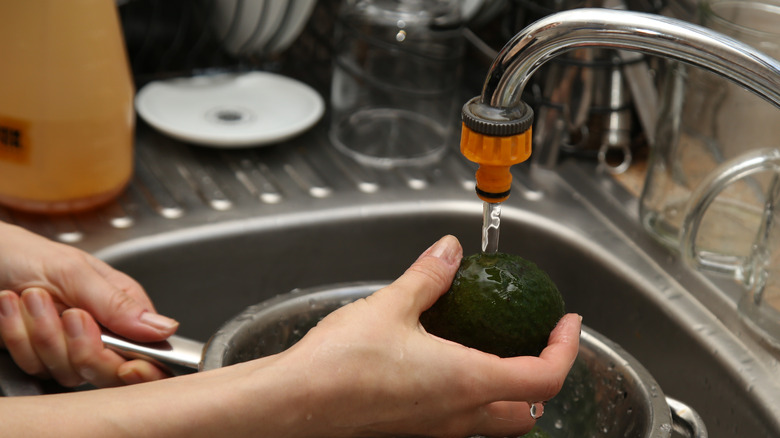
{"x":608,"y":28}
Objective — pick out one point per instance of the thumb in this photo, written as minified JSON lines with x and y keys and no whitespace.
{"x":428,"y":277}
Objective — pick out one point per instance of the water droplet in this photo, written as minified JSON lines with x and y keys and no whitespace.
{"x":537,"y":410}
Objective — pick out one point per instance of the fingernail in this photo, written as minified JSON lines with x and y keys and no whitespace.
{"x":446,"y":249}
{"x":33,"y":301}
{"x":73,"y":325}
{"x":7,"y":308}
{"x":88,"y":373}
{"x":158,"y":322}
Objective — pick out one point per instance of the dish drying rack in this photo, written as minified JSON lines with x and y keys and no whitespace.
{"x":176,"y":38}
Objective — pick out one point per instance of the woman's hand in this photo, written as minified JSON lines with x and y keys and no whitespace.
{"x":368,"y":369}
{"x":371,"y":369}
{"x":52,"y":294}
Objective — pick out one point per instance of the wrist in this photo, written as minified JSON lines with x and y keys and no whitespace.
{"x":271,"y":397}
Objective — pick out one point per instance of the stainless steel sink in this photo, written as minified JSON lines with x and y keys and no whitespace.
{"x":197,"y":231}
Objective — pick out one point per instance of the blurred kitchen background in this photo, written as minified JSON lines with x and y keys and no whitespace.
{"x":176,"y":38}
{"x":246,"y":220}
{"x":597,"y":105}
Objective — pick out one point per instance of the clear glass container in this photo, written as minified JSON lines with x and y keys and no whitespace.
{"x":706,"y":120}
{"x":713,"y":181}
{"x":396,"y":89}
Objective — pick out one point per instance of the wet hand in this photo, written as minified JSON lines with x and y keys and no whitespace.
{"x":52,"y":297}
{"x":374,"y":355}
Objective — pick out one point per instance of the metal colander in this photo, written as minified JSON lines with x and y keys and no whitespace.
{"x":608,"y":393}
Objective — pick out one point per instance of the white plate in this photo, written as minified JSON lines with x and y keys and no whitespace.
{"x":297,"y":17}
{"x":222,"y":16}
{"x":250,"y":15}
{"x":236,"y":22}
{"x":230,"y":110}
{"x":271,"y":23}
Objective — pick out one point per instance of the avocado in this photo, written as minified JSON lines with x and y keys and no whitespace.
{"x":497,"y":303}
{"x":537,"y":432}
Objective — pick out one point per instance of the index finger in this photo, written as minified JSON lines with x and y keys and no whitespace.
{"x":115,"y":300}
{"x":121,"y":281}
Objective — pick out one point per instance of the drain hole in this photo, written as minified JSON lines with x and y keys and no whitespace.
{"x":230,"y":116}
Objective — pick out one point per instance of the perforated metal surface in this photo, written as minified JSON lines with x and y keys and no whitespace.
{"x":177,"y":185}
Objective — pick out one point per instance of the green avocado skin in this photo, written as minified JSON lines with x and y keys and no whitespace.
{"x":497,"y":303}
{"x":537,"y":432}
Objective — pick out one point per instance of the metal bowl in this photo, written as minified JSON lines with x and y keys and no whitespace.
{"x":608,"y":393}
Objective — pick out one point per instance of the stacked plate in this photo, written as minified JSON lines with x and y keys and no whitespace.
{"x":259,"y":27}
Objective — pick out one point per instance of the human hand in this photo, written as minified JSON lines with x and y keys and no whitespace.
{"x":371,"y":369}
{"x":367,"y":369}
{"x":52,"y":294}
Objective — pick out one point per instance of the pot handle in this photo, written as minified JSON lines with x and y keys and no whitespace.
{"x":687,"y":421}
{"x":176,"y":355}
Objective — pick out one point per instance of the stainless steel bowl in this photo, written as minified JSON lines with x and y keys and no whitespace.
{"x":608,"y":393}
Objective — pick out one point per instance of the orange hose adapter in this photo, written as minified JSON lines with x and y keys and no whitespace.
{"x":496,"y":139}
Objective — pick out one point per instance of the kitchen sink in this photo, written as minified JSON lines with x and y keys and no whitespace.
{"x":333,"y":222}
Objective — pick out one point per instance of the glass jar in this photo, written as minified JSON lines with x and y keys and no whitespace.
{"x":395,"y":94}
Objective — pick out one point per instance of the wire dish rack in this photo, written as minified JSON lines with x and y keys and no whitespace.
{"x":176,"y":38}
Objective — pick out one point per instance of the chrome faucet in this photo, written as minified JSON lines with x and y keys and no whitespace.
{"x":616,"y":29}
{"x":497,"y":124}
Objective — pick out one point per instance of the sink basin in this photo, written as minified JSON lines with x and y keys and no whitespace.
{"x":208,"y":264}
{"x":208,"y":275}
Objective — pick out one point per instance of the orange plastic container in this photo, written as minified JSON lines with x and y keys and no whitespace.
{"x":66,"y":105}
